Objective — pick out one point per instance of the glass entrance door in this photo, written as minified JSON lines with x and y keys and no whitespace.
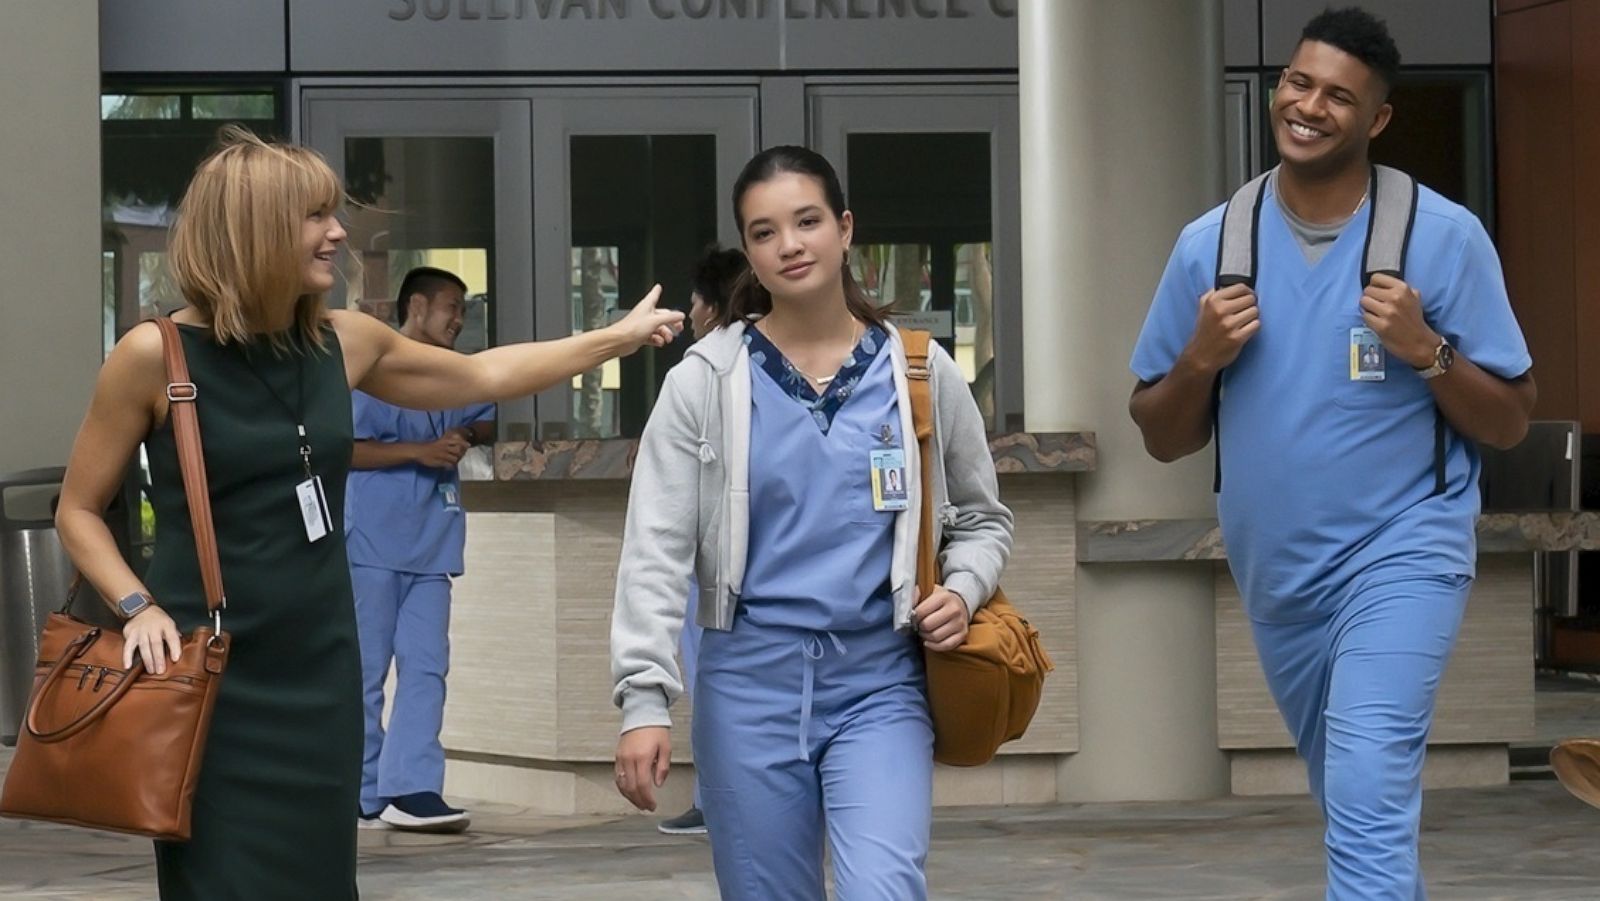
{"x":558,"y":205}
{"x":930,"y":173}
{"x":631,"y":188}
{"x":442,"y":183}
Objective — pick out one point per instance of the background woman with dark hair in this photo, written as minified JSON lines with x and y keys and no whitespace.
{"x":715,"y":274}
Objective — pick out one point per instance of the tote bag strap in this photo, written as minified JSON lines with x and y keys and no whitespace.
{"x":182,"y":393}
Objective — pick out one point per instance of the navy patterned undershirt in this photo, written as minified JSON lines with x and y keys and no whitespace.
{"x":765,"y":354}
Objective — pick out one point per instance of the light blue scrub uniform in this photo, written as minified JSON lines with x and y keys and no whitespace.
{"x":405,"y":533}
{"x":811,"y":713}
{"x":1353,"y":570}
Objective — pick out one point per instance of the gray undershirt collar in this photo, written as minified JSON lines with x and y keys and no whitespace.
{"x":1315,"y":239}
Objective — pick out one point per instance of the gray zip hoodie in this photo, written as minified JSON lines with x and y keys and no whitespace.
{"x":689,"y":513}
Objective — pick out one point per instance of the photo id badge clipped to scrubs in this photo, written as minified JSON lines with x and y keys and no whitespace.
{"x":1366,"y":356}
{"x":450,"y":496}
{"x":889,"y":480}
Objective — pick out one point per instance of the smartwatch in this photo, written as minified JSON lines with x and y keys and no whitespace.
{"x":1444,"y":356}
{"x":133,"y":604}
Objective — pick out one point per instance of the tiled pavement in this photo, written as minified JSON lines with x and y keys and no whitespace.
{"x":1528,"y":841}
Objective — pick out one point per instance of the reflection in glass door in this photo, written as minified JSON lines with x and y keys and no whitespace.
{"x":930,"y":174}
{"x":436,"y":183}
{"x":643,"y":208}
{"x":644,"y":176}
{"x":420,"y":201}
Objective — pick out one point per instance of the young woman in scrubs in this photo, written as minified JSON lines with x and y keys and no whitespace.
{"x":767,"y":464}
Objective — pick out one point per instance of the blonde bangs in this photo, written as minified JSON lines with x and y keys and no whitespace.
{"x":235,"y":247}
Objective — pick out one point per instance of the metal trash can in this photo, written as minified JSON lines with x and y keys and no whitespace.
{"x":34,"y":576}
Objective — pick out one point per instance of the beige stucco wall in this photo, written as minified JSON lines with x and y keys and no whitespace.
{"x":50,"y":323}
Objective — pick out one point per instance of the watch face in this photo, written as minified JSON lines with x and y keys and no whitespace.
{"x":132,"y":604}
{"x":1445,"y":357}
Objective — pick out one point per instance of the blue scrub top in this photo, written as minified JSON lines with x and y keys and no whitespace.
{"x":1327,"y":481}
{"x":398,"y":518}
{"x":818,"y":553}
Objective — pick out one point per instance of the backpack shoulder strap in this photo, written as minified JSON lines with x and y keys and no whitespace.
{"x":1393,"y":196}
{"x":1236,"y":265}
{"x":1241,"y":221}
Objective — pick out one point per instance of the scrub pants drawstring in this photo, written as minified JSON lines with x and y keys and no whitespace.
{"x":811,"y":650}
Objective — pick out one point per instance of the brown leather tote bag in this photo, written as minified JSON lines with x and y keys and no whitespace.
{"x":984,"y":693}
{"x":106,"y":747}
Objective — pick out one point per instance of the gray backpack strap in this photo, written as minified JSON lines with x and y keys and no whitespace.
{"x":1236,"y":265}
{"x":1236,"y":248}
{"x":1394,"y":212}
{"x":1393,"y":196}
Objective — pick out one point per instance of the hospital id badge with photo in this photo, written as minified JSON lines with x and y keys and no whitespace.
{"x":450,"y":495}
{"x":1366,"y":356}
{"x":313,"y":508}
{"x":889,"y":480}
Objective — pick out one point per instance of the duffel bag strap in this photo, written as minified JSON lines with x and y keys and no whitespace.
{"x":919,"y":386}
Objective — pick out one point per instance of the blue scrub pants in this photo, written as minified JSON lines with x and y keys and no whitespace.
{"x":1356,"y":690}
{"x":799,"y":733}
{"x":403,"y":617}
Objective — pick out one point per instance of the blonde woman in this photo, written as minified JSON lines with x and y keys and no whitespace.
{"x":253,"y":252}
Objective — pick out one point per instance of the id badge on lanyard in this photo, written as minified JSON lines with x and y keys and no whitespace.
{"x":314,"y":508}
{"x":313,"y":502}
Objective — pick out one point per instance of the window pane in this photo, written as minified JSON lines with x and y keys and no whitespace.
{"x":420,"y":202}
{"x":148,"y":154}
{"x":1441,"y":133}
{"x":922,"y":206}
{"x":644,"y":207}
{"x":140,"y":106}
{"x":233,"y":106}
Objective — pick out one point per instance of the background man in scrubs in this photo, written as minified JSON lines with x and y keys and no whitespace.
{"x":405,"y":534}
{"x":1353,"y":565}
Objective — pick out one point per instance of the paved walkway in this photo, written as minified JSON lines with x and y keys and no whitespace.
{"x":1528,"y":842}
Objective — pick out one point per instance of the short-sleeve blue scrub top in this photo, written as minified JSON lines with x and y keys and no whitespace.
{"x":819,"y":553}
{"x":1328,"y":482}
{"x":407,"y":518}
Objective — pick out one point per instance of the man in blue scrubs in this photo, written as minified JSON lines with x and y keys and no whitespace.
{"x":405,"y":531}
{"x":1353,"y":556}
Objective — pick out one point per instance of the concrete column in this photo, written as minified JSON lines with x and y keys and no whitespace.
{"x":50,"y":322}
{"x":1121,"y":119}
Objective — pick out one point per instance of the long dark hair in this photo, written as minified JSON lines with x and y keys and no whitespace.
{"x":749,"y":296}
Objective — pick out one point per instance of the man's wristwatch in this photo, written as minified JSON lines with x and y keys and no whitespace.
{"x":133,"y":605}
{"x":1444,"y":356}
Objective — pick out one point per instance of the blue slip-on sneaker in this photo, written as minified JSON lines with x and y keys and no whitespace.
{"x":690,"y":822}
{"x":424,"y":812}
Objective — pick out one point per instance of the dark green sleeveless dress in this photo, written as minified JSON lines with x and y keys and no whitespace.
{"x":275,"y":811}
